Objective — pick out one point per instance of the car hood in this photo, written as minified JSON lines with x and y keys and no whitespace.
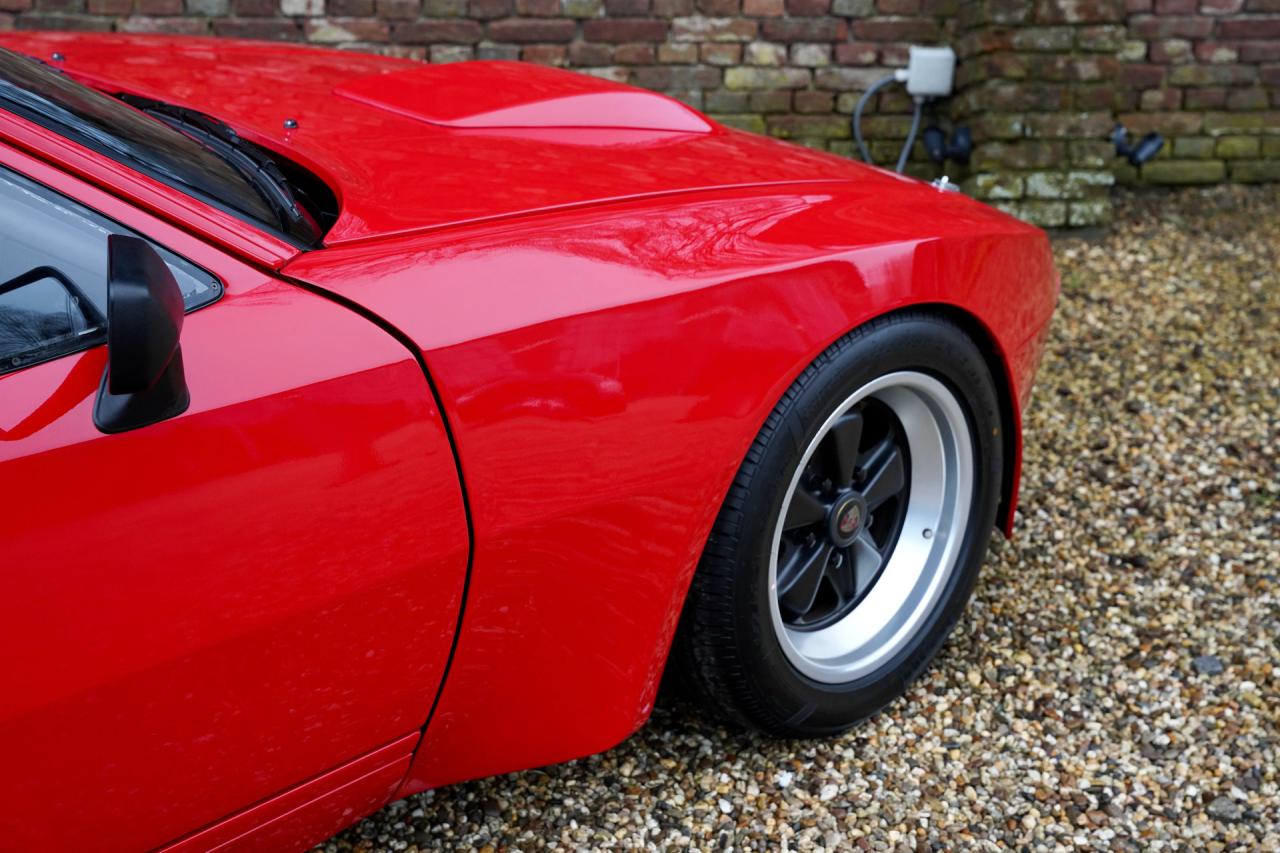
{"x":408,"y":146}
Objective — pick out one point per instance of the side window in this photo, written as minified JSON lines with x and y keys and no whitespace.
{"x":53,"y":274}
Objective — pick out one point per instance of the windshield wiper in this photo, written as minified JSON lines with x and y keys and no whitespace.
{"x":258,"y":169}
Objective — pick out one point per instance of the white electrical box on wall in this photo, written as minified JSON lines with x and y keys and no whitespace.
{"x":930,"y":72}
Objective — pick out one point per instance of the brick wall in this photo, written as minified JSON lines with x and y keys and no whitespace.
{"x":1205,"y":73}
{"x":1040,"y":82}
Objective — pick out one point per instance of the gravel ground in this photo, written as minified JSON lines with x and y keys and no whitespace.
{"x":1116,"y":681}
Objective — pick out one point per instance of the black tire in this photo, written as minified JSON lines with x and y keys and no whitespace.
{"x":727,"y":650}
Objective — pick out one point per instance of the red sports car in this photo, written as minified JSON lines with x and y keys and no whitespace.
{"x":367,"y":426}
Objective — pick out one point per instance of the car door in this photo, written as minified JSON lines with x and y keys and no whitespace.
{"x":206,"y":611}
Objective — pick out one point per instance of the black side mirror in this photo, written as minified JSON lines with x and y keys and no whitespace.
{"x":50,"y":324}
{"x":144,"y":381}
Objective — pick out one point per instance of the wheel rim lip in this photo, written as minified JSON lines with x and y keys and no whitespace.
{"x":917,"y":570}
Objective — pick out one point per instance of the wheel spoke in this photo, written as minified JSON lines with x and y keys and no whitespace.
{"x":804,"y":510}
{"x":799,"y":579}
{"x":886,"y":475}
{"x":845,"y":436}
{"x":844,"y":577}
{"x":866,"y":563}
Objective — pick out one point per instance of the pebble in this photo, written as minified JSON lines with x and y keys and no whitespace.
{"x":1224,"y":808}
{"x":1060,"y":714}
{"x":1208,"y":665}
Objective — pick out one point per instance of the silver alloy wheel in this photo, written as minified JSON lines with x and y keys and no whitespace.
{"x":909,"y":571}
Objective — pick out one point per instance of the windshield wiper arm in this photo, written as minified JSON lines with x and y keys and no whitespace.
{"x":258,"y":169}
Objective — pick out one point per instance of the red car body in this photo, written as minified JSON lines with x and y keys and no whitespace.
{"x":444,"y":480}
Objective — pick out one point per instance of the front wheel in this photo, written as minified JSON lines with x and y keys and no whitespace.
{"x":852,"y":534}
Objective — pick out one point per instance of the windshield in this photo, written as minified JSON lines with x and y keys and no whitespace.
{"x":42,"y":94}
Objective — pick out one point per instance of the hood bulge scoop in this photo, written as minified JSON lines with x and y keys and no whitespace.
{"x":493,"y":95}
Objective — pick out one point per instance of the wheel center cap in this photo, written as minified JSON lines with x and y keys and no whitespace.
{"x":847,"y":519}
